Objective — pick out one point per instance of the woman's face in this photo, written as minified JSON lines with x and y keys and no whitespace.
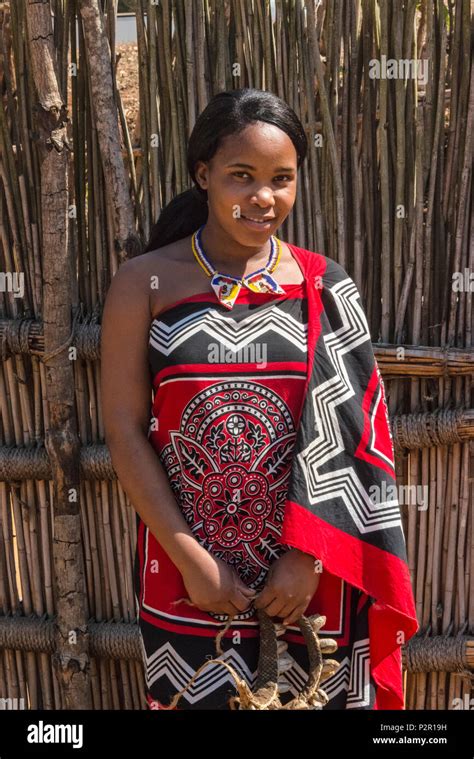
{"x":251,"y":177}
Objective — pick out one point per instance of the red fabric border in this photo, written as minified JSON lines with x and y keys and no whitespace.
{"x":378,"y":574}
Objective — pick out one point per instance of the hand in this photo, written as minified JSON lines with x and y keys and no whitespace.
{"x":292,"y":581}
{"x":213,"y":585}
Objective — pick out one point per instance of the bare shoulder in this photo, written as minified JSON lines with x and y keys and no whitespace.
{"x":143,"y":282}
{"x":172,"y":273}
{"x":154,"y":262}
{"x":174,"y":252}
{"x":166,"y":260}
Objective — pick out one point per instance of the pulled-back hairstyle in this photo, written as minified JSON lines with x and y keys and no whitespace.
{"x":226,"y":113}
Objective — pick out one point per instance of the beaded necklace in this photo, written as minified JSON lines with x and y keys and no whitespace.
{"x":228,"y":287}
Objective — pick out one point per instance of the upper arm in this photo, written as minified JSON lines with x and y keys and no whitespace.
{"x":125,"y":377}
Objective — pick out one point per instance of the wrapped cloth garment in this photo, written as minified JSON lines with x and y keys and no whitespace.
{"x":270,"y":421}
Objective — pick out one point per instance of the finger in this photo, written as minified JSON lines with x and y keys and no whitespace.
{"x":248,"y":593}
{"x":241,"y":601}
{"x":292,"y":619}
{"x":279,"y":604}
{"x":265,"y":597}
{"x":286,"y":610}
{"x":273,"y":609}
{"x":246,"y":590}
{"x":238,"y":606}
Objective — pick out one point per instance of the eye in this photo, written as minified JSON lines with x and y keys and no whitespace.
{"x":279,"y":178}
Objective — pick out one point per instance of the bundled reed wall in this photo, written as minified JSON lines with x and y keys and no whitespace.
{"x":386,"y":191}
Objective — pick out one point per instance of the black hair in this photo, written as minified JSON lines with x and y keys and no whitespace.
{"x":226,"y":113}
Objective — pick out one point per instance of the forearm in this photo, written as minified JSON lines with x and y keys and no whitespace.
{"x":143,"y":478}
{"x":316,"y":563}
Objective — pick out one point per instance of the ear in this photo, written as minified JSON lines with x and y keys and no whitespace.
{"x":201,"y":173}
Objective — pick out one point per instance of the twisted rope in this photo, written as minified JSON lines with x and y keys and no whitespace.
{"x":85,"y":336}
{"x":439,"y":654}
{"x":30,"y":633}
{"x":24,"y":463}
{"x":115,"y":639}
{"x":16,"y":336}
{"x":32,"y":463}
{"x":427,"y":429}
{"x":266,"y":692}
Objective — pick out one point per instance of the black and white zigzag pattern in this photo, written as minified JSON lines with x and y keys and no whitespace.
{"x":358,"y":693}
{"x":352,"y":676}
{"x":232,"y":333}
{"x":344,"y":483}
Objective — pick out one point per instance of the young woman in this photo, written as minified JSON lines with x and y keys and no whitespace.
{"x":217,"y":324}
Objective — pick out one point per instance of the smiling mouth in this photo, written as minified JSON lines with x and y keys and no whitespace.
{"x":258,"y":221}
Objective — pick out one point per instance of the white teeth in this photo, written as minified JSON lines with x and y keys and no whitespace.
{"x":258,"y":221}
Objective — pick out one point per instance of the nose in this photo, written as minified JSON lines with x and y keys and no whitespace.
{"x":263,"y":197}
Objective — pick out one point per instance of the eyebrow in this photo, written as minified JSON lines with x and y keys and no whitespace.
{"x":248,"y":166}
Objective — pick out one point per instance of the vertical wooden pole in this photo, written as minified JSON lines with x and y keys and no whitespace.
{"x":71,"y":659}
{"x":126,"y":242}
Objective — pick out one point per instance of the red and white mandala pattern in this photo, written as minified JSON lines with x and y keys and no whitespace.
{"x":228,"y":465}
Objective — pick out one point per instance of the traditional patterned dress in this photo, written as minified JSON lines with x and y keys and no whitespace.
{"x":228,"y":393}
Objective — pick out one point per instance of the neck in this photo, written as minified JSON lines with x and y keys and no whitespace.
{"x":238,"y":259}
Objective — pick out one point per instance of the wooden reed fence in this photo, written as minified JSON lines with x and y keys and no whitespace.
{"x":386,"y":191}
